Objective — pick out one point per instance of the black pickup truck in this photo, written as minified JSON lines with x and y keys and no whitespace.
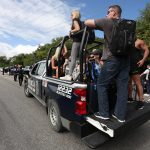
{"x":71,"y":104}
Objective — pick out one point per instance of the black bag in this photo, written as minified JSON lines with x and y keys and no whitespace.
{"x":123,"y":37}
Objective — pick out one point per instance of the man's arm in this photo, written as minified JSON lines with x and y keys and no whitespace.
{"x":90,"y":23}
{"x":53,"y":63}
{"x":145,"y":72}
{"x":140,"y":44}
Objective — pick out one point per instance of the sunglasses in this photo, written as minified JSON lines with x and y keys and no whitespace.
{"x":110,"y":11}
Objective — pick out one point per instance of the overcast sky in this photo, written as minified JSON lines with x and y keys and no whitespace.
{"x":24,"y":24}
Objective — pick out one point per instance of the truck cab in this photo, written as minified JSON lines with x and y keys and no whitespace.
{"x":72,"y":104}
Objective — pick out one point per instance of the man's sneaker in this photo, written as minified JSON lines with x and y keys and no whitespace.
{"x":119,"y":120}
{"x":67,"y":77}
{"x":140,"y":105}
{"x":130,"y":100}
{"x":101,"y":117}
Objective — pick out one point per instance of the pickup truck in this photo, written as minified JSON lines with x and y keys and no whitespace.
{"x":71,"y":104}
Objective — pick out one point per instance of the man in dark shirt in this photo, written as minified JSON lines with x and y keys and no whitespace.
{"x":136,"y":62}
{"x":113,"y":68}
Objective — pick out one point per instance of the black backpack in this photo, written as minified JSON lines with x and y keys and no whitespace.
{"x":123,"y":37}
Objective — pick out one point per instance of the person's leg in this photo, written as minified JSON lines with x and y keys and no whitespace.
{"x":74,"y":53}
{"x":56,"y":72}
{"x":122,"y":90}
{"x":130,"y":88}
{"x":137,"y":81}
{"x":108,"y":73}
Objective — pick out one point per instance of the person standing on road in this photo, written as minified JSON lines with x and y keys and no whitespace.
{"x":136,"y":63}
{"x":113,"y":68}
{"x":3,"y":70}
{"x":15,"y":72}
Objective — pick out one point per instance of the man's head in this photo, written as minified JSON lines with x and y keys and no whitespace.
{"x":114,"y":11}
{"x":75,"y":14}
{"x":96,"y":53}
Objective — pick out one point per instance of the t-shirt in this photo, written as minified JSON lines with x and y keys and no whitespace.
{"x":105,"y":25}
{"x":78,"y":37}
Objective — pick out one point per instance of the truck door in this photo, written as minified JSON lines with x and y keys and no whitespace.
{"x":35,"y":81}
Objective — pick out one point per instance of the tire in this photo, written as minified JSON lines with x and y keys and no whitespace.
{"x":26,"y":90}
{"x":54,"y":116}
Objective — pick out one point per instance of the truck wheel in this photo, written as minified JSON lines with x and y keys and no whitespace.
{"x":54,"y":116}
{"x":26,"y":90}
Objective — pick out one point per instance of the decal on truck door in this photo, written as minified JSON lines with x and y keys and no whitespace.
{"x":64,"y":91}
{"x":31,"y":85}
{"x":37,"y":87}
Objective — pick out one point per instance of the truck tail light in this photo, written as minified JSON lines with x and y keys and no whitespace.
{"x":80,"y":106}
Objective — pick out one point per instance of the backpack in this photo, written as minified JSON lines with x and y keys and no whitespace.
{"x":123,"y":37}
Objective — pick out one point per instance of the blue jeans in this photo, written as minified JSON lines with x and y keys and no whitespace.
{"x":118,"y":69}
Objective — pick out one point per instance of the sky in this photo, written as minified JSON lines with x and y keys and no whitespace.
{"x":26,"y":24}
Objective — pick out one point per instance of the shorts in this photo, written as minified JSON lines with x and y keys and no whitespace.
{"x":135,"y":69}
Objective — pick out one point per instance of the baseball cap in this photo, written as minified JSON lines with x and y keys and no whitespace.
{"x":96,"y":52}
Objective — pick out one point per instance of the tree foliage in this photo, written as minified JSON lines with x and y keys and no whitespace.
{"x":3,"y":61}
{"x":143,"y":25}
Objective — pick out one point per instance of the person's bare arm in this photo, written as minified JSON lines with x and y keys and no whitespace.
{"x":53,"y":63}
{"x":76,"y":27}
{"x":140,"y":44}
{"x":65,"y":51}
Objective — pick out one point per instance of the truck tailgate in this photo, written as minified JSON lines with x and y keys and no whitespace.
{"x":113,"y":128}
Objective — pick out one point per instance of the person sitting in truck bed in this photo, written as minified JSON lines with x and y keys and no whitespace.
{"x":54,"y":60}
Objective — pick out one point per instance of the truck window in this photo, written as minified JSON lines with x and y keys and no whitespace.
{"x":34,"y":70}
{"x":41,"y":68}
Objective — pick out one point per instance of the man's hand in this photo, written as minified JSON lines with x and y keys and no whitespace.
{"x":140,"y":63}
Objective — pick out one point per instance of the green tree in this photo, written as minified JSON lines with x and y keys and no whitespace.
{"x":143,"y":25}
{"x":4,"y":61}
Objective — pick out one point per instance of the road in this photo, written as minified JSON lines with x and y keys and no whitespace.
{"x":24,"y":126}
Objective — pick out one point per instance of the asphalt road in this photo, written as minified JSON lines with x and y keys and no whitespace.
{"x":24,"y":126}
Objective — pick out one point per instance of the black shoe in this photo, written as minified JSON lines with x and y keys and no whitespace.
{"x":119,"y":120}
{"x":140,"y":105}
{"x":97,"y":114}
{"x":130,"y":100}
